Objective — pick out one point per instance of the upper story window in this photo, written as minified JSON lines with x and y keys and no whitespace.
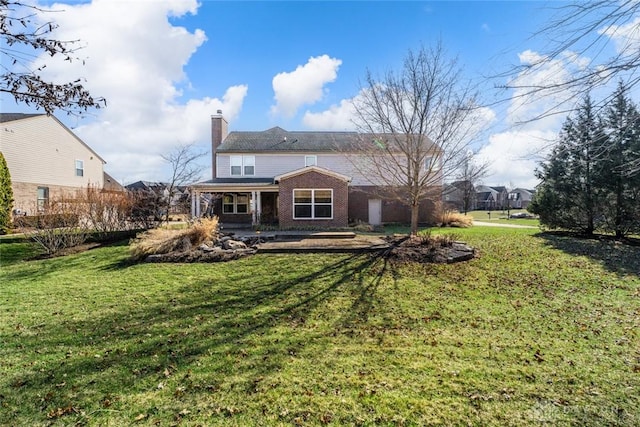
{"x":310,"y":160}
{"x":79,"y":167}
{"x":431,"y":164}
{"x":243,"y":165}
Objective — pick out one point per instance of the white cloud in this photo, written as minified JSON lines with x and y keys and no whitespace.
{"x":515,"y":153}
{"x":626,"y":37}
{"x":337,"y":117}
{"x":135,"y":58}
{"x":513,"y":156}
{"x":530,"y":100}
{"x":304,"y":85}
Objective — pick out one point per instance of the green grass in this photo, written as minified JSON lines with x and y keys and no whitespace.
{"x":501,"y":217}
{"x":540,"y":329}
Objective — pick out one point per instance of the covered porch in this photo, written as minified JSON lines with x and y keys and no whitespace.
{"x":249,"y":203}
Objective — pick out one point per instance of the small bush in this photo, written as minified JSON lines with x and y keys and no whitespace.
{"x":164,"y":241}
{"x":438,"y":240}
{"x":44,"y":220}
{"x":455,"y":219}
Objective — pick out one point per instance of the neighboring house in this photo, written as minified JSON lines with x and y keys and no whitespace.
{"x":46,"y":160}
{"x":160,"y":192}
{"x":492,"y":197}
{"x":520,"y":198}
{"x":291,"y":179}
{"x":460,"y":195}
{"x":111,"y":185}
{"x":485,"y":200}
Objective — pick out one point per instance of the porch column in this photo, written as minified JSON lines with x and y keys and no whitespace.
{"x":197,"y":204}
{"x":255,"y":207}
{"x":259,"y":207}
{"x":193,"y":204}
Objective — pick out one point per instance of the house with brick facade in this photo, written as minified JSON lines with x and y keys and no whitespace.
{"x":46,"y":160}
{"x":292,"y":179}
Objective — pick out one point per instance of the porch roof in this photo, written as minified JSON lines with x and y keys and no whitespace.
{"x":218,"y":185}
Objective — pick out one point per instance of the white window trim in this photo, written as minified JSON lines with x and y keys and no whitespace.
{"x":235,"y":204}
{"x":312,"y":204}
{"x":44,"y":198}
{"x":311,"y":156}
{"x":81,"y":168}
{"x":429,"y":165}
{"x":244,"y":161}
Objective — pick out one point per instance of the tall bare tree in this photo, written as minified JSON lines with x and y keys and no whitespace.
{"x":472,"y":170}
{"x":185,"y":169}
{"x":578,"y":37}
{"x":24,"y":38}
{"x":415,"y":126}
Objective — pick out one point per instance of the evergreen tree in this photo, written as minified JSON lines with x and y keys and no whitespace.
{"x":569,"y":196}
{"x":6,"y":196}
{"x":617,"y":179}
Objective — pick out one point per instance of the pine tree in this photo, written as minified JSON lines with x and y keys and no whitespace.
{"x":618,"y":180}
{"x":6,"y":196}
{"x":569,"y":196}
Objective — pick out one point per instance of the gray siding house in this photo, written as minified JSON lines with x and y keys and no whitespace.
{"x":291,"y":179}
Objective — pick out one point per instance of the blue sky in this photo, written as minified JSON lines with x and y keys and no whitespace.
{"x":166,"y":66}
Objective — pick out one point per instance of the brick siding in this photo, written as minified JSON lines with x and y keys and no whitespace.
{"x":25,"y":195}
{"x":313,"y":180}
{"x":392,"y":210}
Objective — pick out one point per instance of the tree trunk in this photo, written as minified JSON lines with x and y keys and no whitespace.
{"x":415,"y":210}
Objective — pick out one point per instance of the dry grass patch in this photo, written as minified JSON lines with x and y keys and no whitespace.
{"x":455,"y":219}
{"x":164,"y":241}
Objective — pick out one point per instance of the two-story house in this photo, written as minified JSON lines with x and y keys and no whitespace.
{"x":292,"y":179}
{"x":492,"y":197}
{"x":520,"y":198}
{"x":45,"y":160}
{"x":460,"y":195}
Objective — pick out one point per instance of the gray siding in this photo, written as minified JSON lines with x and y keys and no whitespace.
{"x":269,"y":165}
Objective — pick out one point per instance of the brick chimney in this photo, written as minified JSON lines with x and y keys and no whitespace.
{"x":219,"y":131}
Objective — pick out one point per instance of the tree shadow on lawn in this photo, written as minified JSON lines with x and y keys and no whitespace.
{"x":241,"y":334}
{"x":621,"y":257}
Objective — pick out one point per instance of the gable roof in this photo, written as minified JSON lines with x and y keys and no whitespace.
{"x":308,"y":169}
{"x":500,"y":188}
{"x":110,"y":183}
{"x":9,"y":117}
{"x":278,"y":139}
{"x":146,"y":185}
{"x":485,"y":196}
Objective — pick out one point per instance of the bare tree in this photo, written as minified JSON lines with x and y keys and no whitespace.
{"x":184,"y":170}
{"x":415,"y":126}
{"x":24,"y":38}
{"x":471,"y":172}
{"x":577,"y":37}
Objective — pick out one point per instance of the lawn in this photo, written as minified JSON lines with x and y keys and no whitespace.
{"x":540,"y":329}
{"x":501,"y":217}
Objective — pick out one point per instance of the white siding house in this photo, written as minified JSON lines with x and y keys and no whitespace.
{"x":45,"y":159}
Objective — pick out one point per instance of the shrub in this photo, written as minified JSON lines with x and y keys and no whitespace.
{"x":455,"y":219}
{"x":58,"y":227}
{"x":106,"y":212}
{"x":164,"y":241}
{"x":6,"y":196}
{"x":46,"y":220}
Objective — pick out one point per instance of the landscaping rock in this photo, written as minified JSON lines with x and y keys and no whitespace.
{"x":233,"y":245}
